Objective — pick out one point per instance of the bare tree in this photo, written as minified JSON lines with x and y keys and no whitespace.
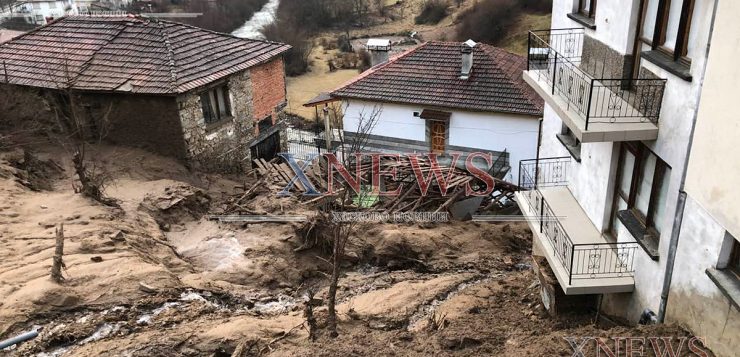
{"x":8,"y":5}
{"x":380,"y":7}
{"x":77,"y":128}
{"x":343,"y":230}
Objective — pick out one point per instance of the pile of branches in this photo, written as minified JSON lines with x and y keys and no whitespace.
{"x":408,"y":195}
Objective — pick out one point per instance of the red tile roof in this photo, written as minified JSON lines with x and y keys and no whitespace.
{"x":7,"y":35}
{"x":430,"y":75}
{"x":128,"y":54}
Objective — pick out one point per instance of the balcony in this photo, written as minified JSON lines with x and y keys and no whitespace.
{"x":585,"y":88}
{"x":582,"y":260}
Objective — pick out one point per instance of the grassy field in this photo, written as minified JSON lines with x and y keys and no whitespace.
{"x":516,"y":41}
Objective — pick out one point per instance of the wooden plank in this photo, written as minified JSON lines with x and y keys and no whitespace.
{"x":289,"y":173}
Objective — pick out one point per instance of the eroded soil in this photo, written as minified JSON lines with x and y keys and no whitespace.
{"x":156,"y":277}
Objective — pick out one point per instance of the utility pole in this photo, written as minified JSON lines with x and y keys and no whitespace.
{"x":327,"y":128}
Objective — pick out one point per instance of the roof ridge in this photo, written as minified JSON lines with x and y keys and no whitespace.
{"x":218,"y":33}
{"x":376,"y":68}
{"x":170,"y":56}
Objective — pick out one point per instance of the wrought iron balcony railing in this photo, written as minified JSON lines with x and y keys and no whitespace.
{"x":580,"y":260}
{"x":587,"y":82}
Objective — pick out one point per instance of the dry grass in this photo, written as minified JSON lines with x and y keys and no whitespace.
{"x":306,"y":86}
{"x":516,"y":40}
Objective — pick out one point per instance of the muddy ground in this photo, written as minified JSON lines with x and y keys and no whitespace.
{"x":155,"y":277}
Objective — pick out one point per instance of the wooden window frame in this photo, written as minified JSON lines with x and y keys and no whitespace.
{"x":210,"y":106}
{"x":590,"y":12}
{"x":637,"y":149}
{"x":680,"y":51}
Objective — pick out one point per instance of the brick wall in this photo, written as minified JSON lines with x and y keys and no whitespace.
{"x":268,"y":89}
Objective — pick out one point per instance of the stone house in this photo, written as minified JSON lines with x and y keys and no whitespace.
{"x":175,"y":89}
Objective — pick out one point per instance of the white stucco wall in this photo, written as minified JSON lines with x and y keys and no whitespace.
{"x":517,"y":134}
{"x":712,"y":203}
{"x":396,"y":121}
{"x":695,"y":301}
{"x":615,"y":21}
{"x":714,"y":171}
{"x":592,"y":180}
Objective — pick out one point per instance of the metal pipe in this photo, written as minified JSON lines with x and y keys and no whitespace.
{"x":18,"y":339}
{"x":681,"y":203}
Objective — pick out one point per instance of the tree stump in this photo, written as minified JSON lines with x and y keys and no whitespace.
{"x":58,"y":263}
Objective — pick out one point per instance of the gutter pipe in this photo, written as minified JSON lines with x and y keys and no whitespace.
{"x":681,"y":203}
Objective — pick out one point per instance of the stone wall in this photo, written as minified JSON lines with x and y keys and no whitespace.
{"x":219,"y":146}
{"x":224,"y":146}
{"x":601,"y":61}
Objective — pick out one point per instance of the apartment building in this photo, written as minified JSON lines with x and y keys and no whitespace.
{"x":624,"y":84}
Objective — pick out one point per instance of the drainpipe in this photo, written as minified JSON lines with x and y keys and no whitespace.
{"x":681,"y":203}
{"x":636,"y":44}
{"x":18,"y":339}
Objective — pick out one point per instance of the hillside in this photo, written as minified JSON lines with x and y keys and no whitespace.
{"x":397,"y":23}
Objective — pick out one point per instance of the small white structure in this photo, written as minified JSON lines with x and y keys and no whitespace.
{"x":379,"y":49}
{"x":446,"y":97}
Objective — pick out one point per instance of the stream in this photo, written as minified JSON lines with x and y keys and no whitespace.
{"x":253,"y":27}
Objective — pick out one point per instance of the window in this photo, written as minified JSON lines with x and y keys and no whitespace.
{"x":666,"y":26}
{"x":571,"y":143}
{"x":729,"y":260}
{"x":264,"y":124}
{"x":727,"y":274}
{"x":215,"y":104}
{"x":733,"y":264}
{"x":585,"y":13}
{"x":587,"y":8}
{"x":640,"y":195}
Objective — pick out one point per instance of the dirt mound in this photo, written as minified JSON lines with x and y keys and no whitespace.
{"x":176,"y":204}
{"x":28,"y":170}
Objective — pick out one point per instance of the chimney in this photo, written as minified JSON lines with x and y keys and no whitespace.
{"x":379,"y":50}
{"x":467,"y":59}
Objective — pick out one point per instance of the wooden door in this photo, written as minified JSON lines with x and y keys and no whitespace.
{"x":438,"y":134}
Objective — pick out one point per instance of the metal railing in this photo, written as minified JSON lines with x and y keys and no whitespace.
{"x":580,"y":261}
{"x":584,"y":79}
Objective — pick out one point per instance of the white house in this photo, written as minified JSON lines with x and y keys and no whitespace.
{"x":623,"y":82}
{"x":41,"y":12}
{"x":446,"y":97}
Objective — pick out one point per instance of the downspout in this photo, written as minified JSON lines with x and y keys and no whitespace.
{"x":681,"y":203}
{"x":636,"y":45}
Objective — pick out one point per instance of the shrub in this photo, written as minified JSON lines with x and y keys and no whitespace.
{"x":297,"y":59}
{"x":432,"y":12}
{"x":491,"y":20}
{"x":221,"y":16}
